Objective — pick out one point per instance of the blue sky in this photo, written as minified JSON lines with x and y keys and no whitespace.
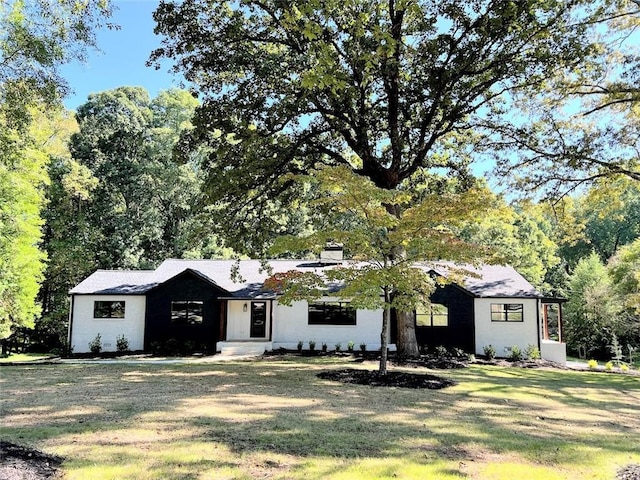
{"x":123,"y":56}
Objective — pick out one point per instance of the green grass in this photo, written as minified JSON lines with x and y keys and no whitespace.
{"x":276,"y":419}
{"x":24,"y":357}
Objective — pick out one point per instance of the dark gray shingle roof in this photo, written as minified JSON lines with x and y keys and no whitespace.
{"x":491,"y":280}
{"x":115,"y":282}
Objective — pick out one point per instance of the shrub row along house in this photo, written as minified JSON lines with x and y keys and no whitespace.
{"x":203,"y":305}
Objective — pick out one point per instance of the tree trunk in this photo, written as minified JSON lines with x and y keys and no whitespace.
{"x":406,"y":342}
{"x":386,"y":317}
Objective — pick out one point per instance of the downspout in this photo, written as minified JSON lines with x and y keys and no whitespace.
{"x":70,"y":328}
{"x":538,"y":301}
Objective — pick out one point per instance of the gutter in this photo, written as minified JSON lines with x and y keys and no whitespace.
{"x":538,"y":326}
{"x":70,"y":328}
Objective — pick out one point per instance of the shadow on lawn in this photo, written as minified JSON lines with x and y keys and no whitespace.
{"x":280,"y":408}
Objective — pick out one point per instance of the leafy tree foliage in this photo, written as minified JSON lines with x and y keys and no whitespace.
{"x":384,"y":88}
{"x":518,"y":236}
{"x":375,"y":86}
{"x":361,"y":216}
{"x":36,"y":37}
{"x":593,"y":312}
{"x":624,"y":268}
{"x":22,"y":178}
{"x":67,"y":240}
{"x":602,"y":219}
{"x":144,"y":207}
{"x":586,"y":126}
{"x":117,"y":200}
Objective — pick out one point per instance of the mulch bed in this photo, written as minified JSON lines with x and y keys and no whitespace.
{"x":630,"y":472}
{"x":23,"y":463}
{"x":391,"y":379}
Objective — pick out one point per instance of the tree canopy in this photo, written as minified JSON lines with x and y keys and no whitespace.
{"x":145,"y":207}
{"x":582,"y":126}
{"x":384,"y":87}
{"x":36,"y":38}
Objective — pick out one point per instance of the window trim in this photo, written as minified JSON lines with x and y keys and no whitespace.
{"x":429,"y":316}
{"x":502,"y":315}
{"x":109,"y":310}
{"x":347,"y":314}
{"x":188,"y":312}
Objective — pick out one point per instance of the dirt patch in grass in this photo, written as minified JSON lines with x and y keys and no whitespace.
{"x":23,"y":463}
{"x":391,"y":379}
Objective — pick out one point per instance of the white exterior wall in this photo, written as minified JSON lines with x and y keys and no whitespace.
{"x":291,"y":325}
{"x":239,"y":321}
{"x":84,"y":327}
{"x":504,"y":335}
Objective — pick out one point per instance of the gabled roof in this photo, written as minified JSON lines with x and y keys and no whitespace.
{"x":115,"y":282}
{"x":487,"y":281}
{"x":490,"y":281}
{"x":218,"y":272}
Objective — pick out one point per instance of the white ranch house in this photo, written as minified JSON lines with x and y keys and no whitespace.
{"x":197,"y":304}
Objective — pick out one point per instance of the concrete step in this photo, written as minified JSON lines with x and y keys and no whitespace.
{"x":243,"y":348}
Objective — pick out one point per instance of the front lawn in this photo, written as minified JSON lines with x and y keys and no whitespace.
{"x":24,"y":357}
{"x":275,"y":419}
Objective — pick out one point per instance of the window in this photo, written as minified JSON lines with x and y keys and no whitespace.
{"x":331,"y":313}
{"x":102,"y":309}
{"x":506,"y":312}
{"x":189,"y":312}
{"x":435,"y":315}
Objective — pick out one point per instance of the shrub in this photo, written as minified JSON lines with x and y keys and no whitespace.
{"x":608,"y":365}
{"x":338,"y":347}
{"x":363,"y":347}
{"x":624,"y":367}
{"x":64,"y":350}
{"x":458,"y":352}
{"x":312,"y":345}
{"x":324,"y":347}
{"x":350,"y":345}
{"x":532,"y":353}
{"x":95,"y":345}
{"x":489,"y":352}
{"x":155,"y":347}
{"x":440,"y":351}
{"x":516,"y":354}
{"x":300,"y":344}
{"x":122,"y":344}
{"x":593,"y":364}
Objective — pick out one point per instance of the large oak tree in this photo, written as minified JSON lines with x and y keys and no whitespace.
{"x":385,"y":88}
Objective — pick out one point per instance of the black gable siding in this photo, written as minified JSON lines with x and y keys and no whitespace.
{"x":162,"y":336}
{"x":461,"y":330}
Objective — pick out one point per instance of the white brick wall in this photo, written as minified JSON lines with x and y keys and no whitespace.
{"x":85,"y":327}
